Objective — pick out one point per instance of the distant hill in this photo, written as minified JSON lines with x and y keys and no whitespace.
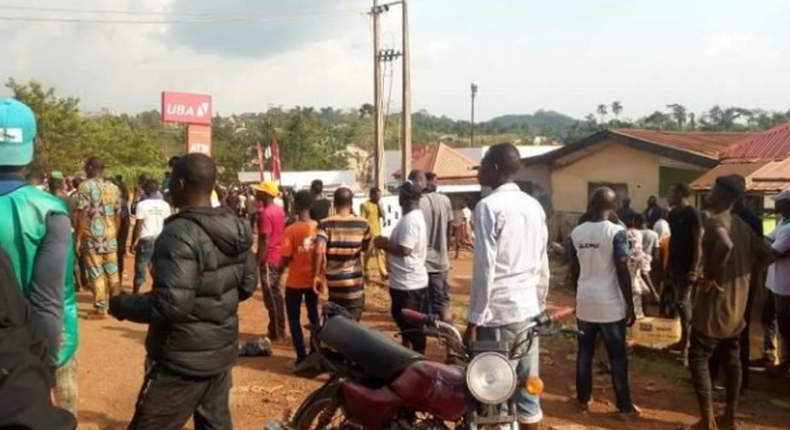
{"x":542,"y":119}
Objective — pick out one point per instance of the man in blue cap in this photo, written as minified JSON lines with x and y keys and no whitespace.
{"x":35,"y":231}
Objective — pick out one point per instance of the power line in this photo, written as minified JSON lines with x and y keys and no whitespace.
{"x":178,"y":21}
{"x":97,"y":11}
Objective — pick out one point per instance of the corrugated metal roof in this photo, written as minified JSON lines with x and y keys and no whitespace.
{"x":699,"y":142}
{"x":773,"y":144}
{"x":446,"y":162}
{"x":765,"y":176}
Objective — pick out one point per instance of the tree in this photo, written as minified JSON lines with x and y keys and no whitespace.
{"x":616,"y":109}
{"x":679,"y":114}
{"x":602,"y":111}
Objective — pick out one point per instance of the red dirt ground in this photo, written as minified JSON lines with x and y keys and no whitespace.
{"x":111,"y":369}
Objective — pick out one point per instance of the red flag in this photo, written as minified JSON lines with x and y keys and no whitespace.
{"x":260,"y":160}
{"x":276,"y":165}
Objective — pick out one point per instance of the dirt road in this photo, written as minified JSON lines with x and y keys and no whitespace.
{"x":111,"y":358}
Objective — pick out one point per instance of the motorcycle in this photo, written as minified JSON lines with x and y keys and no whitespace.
{"x":377,"y":384}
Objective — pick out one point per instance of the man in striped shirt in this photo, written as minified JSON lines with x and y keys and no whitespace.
{"x":340,"y":242}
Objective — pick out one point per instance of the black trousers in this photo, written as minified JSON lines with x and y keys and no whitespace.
{"x":417,"y":300}
{"x":167,"y":401}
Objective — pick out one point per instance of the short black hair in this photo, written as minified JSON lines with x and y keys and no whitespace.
{"x":303,"y":200}
{"x":344,"y":198}
{"x":317,"y":186}
{"x":172,"y":161}
{"x":683,"y":189}
{"x":198,"y":171}
{"x":34,"y":175}
{"x":375,"y":190}
{"x":638,"y":219}
{"x":95,"y":164}
{"x":506,"y":157}
{"x":151,"y":186}
{"x":733,"y":185}
{"x":430,"y":176}
{"x":410,"y":191}
{"x":56,"y":184}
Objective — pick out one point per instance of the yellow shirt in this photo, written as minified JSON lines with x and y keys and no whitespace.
{"x":370,"y":211}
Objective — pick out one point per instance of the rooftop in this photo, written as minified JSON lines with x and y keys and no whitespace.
{"x":773,"y":144}
{"x":764,"y":177}
{"x":446,"y":162}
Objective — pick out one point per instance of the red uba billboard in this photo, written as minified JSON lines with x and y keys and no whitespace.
{"x":186,"y":108}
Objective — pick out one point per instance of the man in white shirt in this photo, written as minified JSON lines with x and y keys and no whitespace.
{"x":510,"y":275}
{"x":150,"y":216}
{"x":778,"y":280}
{"x":407,"y":250}
{"x":604,"y":298}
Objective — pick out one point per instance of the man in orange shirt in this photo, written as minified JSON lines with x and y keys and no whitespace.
{"x":297,"y":255}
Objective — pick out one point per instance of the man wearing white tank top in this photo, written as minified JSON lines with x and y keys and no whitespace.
{"x":604,"y":299}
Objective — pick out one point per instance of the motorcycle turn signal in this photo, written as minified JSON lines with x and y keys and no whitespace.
{"x":534,"y":385}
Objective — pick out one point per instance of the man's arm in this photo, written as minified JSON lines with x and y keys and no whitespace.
{"x":545,"y":270}
{"x":319,"y":264}
{"x":249,"y":282}
{"x":483,"y":267}
{"x":139,"y":216}
{"x":780,"y":245}
{"x":48,"y":283}
{"x":177,"y":274}
{"x":575,"y":268}
{"x":624,"y":275}
{"x":696,"y":262}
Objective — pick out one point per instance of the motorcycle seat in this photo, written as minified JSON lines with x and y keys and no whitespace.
{"x":380,"y":357}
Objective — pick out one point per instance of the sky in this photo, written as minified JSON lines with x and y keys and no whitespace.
{"x":562,"y":55}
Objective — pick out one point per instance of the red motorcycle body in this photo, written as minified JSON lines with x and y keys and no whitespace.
{"x":425,"y":386}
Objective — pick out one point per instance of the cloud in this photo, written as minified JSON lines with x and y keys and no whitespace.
{"x":275,"y":26}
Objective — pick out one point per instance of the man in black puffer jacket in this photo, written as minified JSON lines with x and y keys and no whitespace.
{"x":202,"y":268}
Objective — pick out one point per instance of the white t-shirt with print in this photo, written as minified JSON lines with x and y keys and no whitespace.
{"x":152,"y":213}
{"x":598,"y":297}
{"x":409,"y":273}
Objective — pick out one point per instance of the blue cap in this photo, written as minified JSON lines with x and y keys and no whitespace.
{"x":17,"y":133}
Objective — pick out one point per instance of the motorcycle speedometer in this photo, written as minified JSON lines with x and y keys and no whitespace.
{"x":491,"y":378}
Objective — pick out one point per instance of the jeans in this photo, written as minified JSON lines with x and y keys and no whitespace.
{"x":527,"y":405}
{"x":142,"y":258}
{"x":438,"y":292}
{"x":416,"y":300}
{"x":293,"y":307}
{"x":768,"y":321}
{"x":614,"y":339}
{"x":273,"y":300}
{"x":782,"y":304}
{"x":66,"y":388}
{"x":681,"y":291}
{"x":700,"y":352}
{"x":167,"y":400}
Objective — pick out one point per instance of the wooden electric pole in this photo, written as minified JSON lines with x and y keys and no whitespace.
{"x":406,"y":153}
{"x":378,"y":124}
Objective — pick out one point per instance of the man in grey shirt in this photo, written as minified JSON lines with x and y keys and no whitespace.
{"x":438,"y":212}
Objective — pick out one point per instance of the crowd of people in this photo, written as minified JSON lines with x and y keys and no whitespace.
{"x":196,"y":242}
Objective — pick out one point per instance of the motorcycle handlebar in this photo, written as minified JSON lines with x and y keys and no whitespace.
{"x":561,"y":314}
{"x":414,"y":316}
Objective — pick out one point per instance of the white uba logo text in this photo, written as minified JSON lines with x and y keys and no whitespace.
{"x":11,"y":135}
{"x":199,"y":111}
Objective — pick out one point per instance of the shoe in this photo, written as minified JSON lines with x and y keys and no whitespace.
{"x":584,"y":407}
{"x":634,"y":413}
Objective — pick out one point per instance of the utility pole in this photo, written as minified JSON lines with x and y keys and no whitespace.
{"x":474,"y":95}
{"x":406,"y":154}
{"x":378,"y":124}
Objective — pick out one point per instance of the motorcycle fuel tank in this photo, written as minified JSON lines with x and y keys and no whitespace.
{"x":434,"y":388}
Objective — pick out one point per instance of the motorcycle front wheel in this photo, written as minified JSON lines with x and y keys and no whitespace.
{"x":322,"y":410}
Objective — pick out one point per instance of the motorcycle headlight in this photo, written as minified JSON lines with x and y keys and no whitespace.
{"x":491,"y":378}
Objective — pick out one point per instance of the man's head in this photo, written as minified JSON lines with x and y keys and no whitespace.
{"x":626,"y":203}
{"x":409,"y":196}
{"x":678,"y":194}
{"x":17,"y":134}
{"x":432,"y":181}
{"x":151,"y":187}
{"x":726,"y":192}
{"x":418,"y":178}
{"x":652,"y":201}
{"x":193,"y":180}
{"x":303,"y":201}
{"x":639,"y":221}
{"x":172,"y":161}
{"x":57,"y":185}
{"x":34,"y":178}
{"x":499,"y":166}
{"x":602,"y":202}
{"x":782,"y":203}
{"x":344,"y":199}
{"x":94,"y":167}
{"x":375,"y":195}
{"x":317,"y":187}
{"x":266,"y":192}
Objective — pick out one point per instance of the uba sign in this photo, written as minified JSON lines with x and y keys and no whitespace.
{"x":186,"y":108}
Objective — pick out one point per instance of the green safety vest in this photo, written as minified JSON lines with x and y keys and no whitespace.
{"x":23,"y":224}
